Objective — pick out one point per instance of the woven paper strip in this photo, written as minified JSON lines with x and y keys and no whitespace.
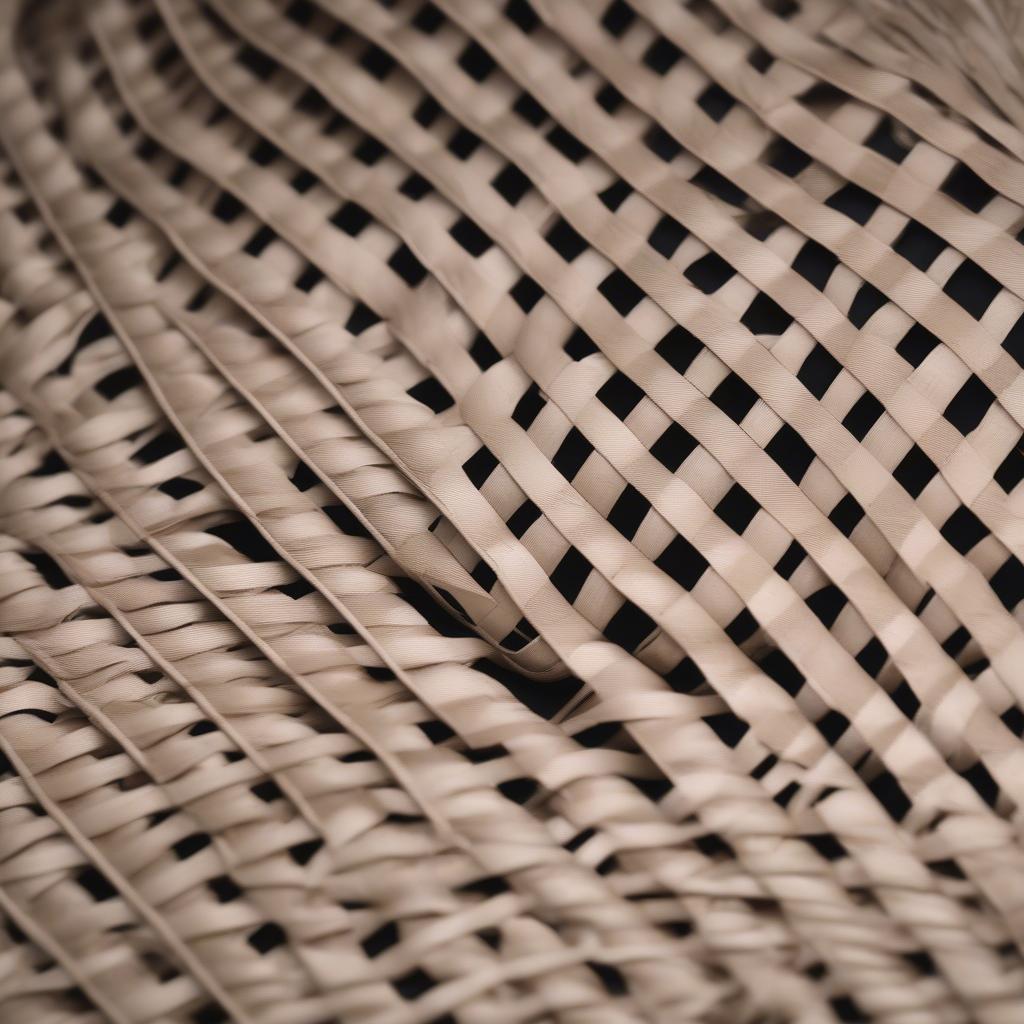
{"x":511,"y":512}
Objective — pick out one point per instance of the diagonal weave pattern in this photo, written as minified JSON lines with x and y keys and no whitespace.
{"x":509,"y":512}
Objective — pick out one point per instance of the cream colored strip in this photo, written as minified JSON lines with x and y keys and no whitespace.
{"x":724,"y":150}
{"x":142,"y":906}
{"x":879,"y":362}
{"x":888,"y":89}
{"x":520,"y":824}
{"x":508,"y":45}
{"x":978,"y":78}
{"x":232,"y":857}
{"x":798,"y":125}
{"x":238,"y":857}
{"x":868,"y":358}
{"x":815,"y":626}
{"x":48,"y":942}
{"x":267,"y":651}
{"x":20,"y":111}
{"x":182,"y":223}
{"x":191,"y":686}
{"x":797,"y":407}
{"x":930,"y":676}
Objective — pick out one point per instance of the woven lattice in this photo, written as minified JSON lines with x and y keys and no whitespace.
{"x":509,"y":512}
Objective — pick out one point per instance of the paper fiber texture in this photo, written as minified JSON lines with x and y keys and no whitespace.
{"x":511,"y":512}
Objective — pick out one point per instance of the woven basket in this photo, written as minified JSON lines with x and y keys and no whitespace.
{"x":510,"y":512}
